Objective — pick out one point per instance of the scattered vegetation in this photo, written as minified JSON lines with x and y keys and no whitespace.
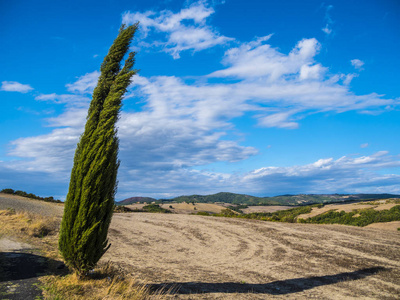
{"x":378,"y":202}
{"x":358,"y":217}
{"x":289,"y":215}
{"x":29,"y":195}
{"x":155,"y":208}
{"x":122,"y":209}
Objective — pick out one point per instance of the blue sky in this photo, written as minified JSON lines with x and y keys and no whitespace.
{"x":256,"y":97}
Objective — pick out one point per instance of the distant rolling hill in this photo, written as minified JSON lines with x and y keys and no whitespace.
{"x":136,"y":200}
{"x":232,"y":198}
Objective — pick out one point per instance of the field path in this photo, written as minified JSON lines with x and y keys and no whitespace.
{"x":223,"y":258}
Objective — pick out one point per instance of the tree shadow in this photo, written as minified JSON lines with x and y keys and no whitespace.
{"x":22,"y":265}
{"x":281,"y":287}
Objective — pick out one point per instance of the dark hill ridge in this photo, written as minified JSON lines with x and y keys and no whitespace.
{"x":301,"y":199}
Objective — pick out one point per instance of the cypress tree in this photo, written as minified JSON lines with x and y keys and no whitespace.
{"x":90,"y":199}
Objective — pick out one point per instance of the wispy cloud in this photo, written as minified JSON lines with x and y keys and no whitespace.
{"x":329,"y":22}
{"x":358,"y":64}
{"x":184,"y":30}
{"x":68,"y":99}
{"x":13,"y":86}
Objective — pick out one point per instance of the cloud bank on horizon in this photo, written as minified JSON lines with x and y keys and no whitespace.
{"x":184,"y":128}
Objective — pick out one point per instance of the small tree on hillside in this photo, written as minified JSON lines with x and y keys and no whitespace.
{"x":90,"y":199}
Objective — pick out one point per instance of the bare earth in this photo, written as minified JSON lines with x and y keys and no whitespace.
{"x":386,"y":225}
{"x":223,"y":258}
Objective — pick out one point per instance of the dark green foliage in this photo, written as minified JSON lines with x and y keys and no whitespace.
{"x":30,"y":195}
{"x":7,"y":191}
{"x":90,"y":199}
{"x":366,"y":217}
{"x":238,"y":208}
{"x":155,"y":208}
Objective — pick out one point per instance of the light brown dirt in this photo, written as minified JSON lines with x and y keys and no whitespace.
{"x":268,"y":209}
{"x":222,"y":258}
{"x":385,"y":206}
{"x":386,"y":225}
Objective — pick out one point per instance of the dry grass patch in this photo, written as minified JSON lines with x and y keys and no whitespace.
{"x":24,"y":223}
{"x":104,"y":282}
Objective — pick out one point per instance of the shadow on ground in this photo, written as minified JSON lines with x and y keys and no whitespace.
{"x":22,"y":265}
{"x":19,"y":273}
{"x":281,"y":287}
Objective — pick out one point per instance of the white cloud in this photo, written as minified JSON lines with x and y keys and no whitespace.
{"x":358,"y":64}
{"x":346,"y":174}
{"x":365,"y":145}
{"x":49,"y":153}
{"x":313,"y":72}
{"x":280,"y":120}
{"x":185,"y":30}
{"x":85,"y":84}
{"x":13,"y":86}
{"x":256,"y":59}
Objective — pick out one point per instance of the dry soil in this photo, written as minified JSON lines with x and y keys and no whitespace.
{"x":222,"y":258}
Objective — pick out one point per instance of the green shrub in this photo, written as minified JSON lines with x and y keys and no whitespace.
{"x":7,"y":191}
